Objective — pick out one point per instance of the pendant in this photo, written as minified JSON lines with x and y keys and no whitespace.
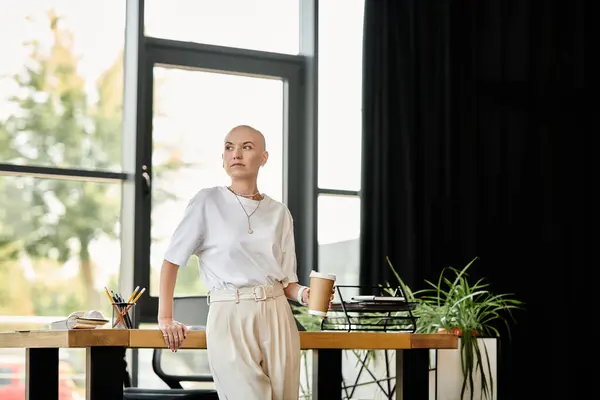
{"x":250,"y":231}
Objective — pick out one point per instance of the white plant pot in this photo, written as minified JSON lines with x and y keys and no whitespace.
{"x":445,"y":376}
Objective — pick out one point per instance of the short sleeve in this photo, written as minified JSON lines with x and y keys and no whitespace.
{"x":289,"y":251}
{"x":187,"y":238}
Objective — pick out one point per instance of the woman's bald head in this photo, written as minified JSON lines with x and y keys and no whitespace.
{"x":247,"y":132}
{"x":244,"y":152}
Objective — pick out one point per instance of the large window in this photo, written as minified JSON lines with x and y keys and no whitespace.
{"x":339,"y":137}
{"x":338,"y":233}
{"x":94,"y":177}
{"x":267,"y":25}
{"x":193,"y":112}
{"x":194,"y":93}
{"x":60,"y":245}
{"x":61,"y":85}
{"x":340,"y":93}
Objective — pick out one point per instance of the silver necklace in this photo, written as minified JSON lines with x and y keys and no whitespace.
{"x":242,"y":195}
{"x":237,"y":197}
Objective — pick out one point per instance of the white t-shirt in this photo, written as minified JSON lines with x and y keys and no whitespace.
{"x":215,"y":228}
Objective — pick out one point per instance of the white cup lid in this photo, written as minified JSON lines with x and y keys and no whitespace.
{"x":316,"y":274}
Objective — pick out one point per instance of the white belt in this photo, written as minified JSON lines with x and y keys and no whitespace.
{"x":256,"y":293}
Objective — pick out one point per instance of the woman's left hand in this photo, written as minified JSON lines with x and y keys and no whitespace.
{"x":306,"y":296}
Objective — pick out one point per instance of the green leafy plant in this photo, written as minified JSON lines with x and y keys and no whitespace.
{"x":455,"y":305}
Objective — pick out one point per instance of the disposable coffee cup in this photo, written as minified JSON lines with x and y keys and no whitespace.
{"x":321,"y":289}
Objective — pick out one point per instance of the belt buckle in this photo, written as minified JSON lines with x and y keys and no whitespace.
{"x":257,"y":297}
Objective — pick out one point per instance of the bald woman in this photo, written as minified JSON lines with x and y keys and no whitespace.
{"x":244,"y":241}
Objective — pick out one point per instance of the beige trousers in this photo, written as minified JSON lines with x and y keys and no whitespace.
{"x":253,"y":347}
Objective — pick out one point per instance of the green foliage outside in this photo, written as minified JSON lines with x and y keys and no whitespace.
{"x":46,"y":222}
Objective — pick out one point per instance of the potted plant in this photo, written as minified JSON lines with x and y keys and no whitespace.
{"x":455,"y":305}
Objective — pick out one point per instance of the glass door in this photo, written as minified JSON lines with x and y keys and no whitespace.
{"x":193,"y":111}
{"x":191,"y":97}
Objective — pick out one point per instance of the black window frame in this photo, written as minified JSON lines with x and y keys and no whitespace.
{"x":300,"y":185}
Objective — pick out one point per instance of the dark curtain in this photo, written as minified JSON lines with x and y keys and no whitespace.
{"x":405,"y":187}
{"x":474,"y":145}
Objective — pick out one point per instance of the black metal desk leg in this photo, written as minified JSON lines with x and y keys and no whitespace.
{"x":42,"y":374}
{"x":104,"y":374}
{"x":327,"y":374}
{"x":412,"y":374}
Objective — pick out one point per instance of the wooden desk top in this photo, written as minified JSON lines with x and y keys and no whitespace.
{"x":146,"y":338}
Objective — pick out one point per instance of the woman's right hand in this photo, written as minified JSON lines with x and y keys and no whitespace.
{"x":173,"y":332}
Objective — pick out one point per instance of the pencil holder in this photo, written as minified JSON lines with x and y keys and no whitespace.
{"x":123,"y":315}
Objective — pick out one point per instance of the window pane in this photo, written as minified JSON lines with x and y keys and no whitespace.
{"x":340,"y":93}
{"x":194,"y":110}
{"x":338,"y":235}
{"x":59,"y":247}
{"x":267,"y":25}
{"x":61,"y":83}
